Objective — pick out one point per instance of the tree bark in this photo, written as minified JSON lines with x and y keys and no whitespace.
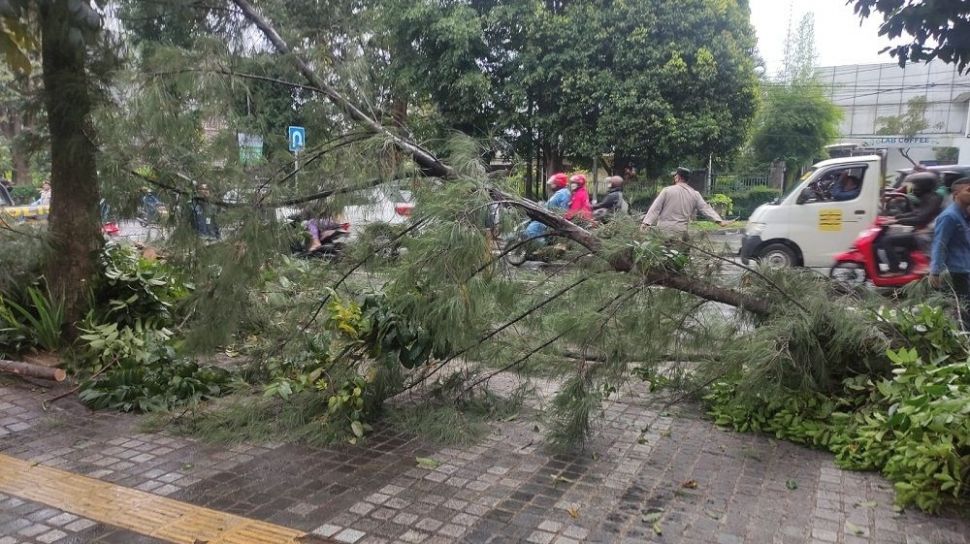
{"x":75,"y":223}
{"x":32,"y":371}
{"x":18,"y":155}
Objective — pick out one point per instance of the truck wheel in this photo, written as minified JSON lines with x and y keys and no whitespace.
{"x":777,"y":256}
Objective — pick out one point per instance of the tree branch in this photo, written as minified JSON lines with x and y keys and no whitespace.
{"x":428,"y":162}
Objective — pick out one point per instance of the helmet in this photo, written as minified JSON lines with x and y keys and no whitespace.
{"x":578,"y":179}
{"x":558,"y":181}
{"x":922,"y":182}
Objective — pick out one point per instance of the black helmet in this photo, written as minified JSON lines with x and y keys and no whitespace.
{"x":922,"y":182}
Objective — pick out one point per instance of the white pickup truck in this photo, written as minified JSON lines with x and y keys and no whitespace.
{"x":804,"y":227}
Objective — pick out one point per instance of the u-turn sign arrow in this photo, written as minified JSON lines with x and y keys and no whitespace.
{"x":296,"y":137}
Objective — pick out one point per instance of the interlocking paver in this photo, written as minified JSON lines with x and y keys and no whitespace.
{"x":507,"y":489}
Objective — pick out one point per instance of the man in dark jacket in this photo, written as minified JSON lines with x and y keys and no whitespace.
{"x":613,"y":203}
{"x":202,"y":218}
{"x":929,"y":205}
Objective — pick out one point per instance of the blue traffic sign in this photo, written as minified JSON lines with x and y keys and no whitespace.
{"x":297,"y":137}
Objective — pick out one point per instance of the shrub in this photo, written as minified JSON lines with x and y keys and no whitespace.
{"x":22,"y":253}
{"x":38,"y":320}
{"x":133,"y":288}
{"x":746,"y":202}
{"x":722,"y":203}
{"x":912,"y":424}
{"x":135,"y":369}
{"x":24,"y":194}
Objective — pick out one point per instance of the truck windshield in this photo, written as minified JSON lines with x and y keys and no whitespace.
{"x":808,"y":173}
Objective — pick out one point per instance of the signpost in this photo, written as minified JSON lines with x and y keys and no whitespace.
{"x":296,"y":136}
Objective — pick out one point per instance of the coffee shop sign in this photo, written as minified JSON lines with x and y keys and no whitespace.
{"x":903,"y":141}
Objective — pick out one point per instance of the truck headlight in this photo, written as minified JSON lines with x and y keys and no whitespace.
{"x":755,"y":229}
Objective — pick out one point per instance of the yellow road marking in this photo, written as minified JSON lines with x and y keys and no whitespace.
{"x":138,"y":511}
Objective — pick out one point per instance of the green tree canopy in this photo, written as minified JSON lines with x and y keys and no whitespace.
{"x":797,"y":122}
{"x":935,"y":29}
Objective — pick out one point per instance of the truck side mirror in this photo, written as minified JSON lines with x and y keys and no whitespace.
{"x":806,"y":195}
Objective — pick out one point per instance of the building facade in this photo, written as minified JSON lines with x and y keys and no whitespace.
{"x":868,"y":93}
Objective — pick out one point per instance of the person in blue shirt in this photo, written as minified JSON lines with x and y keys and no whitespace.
{"x":559,"y":201}
{"x":847,"y":188}
{"x":951,"y":247}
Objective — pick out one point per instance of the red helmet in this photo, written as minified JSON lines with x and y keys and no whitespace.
{"x":578,"y":179}
{"x":558,"y":181}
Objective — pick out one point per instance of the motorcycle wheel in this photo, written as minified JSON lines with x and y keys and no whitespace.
{"x":517,"y":256}
{"x":848,"y":274}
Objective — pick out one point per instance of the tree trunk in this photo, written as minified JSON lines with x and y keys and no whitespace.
{"x":18,"y":155}
{"x":32,"y":371}
{"x":75,"y":223}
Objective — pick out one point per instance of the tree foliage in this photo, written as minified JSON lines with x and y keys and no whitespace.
{"x":796,"y":124}
{"x":908,"y":124}
{"x":935,"y":29}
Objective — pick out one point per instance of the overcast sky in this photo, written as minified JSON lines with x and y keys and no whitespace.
{"x":838,"y":36}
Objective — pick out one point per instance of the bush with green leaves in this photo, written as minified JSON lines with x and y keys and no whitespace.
{"x":745,"y":202}
{"x":133,"y":288}
{"x":35,"y":323}
{"x":913,"y":424}
{"x":24,"y":194}
{"x":135,"y":369}
{"x":355,"y":362}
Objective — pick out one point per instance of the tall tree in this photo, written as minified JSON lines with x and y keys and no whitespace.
{"x":801,"y":52}
{"x":74,"y":216}
{"x":64,"y":27}
{"x":797,"y":120}
{"x":935,"y":29}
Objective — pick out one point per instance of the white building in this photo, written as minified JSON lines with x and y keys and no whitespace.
{"x":868,"y":92}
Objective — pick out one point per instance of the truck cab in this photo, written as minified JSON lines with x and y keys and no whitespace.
{"x":808,"y":227}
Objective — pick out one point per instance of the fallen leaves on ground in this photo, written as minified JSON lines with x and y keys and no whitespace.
{"x":427,"y":462}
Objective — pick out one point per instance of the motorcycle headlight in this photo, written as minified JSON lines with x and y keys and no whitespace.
{"x":755,"y":229}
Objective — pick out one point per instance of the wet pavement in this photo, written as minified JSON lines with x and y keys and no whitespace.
{"x":647,"y":476}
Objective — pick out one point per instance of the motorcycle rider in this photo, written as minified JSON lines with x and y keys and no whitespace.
{"x":613,"y":203}
{"x":928,"y":205}
{"x":560,"y":200}
{"x":579,"y":206}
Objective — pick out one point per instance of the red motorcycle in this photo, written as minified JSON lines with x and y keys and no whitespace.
{"x":853,"y":268}
{"x":110,"y":229}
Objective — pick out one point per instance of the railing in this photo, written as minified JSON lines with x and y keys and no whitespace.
{"x":738,"y":183}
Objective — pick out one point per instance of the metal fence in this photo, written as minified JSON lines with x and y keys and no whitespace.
{"x":738,"y":183}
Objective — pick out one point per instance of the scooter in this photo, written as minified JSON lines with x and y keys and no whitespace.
{"x":331,"y":246}
{"x":853,"y":268}
{"x":517,"y":248}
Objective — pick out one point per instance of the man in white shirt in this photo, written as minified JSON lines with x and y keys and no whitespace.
{"x":675,"y":206}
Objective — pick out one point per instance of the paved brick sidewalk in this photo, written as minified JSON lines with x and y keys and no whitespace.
{"x":506,"y":489}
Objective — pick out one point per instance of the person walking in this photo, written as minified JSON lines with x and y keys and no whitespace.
{"x":676,"y":205}
{"x":951,"y":248}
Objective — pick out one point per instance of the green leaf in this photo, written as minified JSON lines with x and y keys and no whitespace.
{"x":791,"y":485}
{"x":427,"y":462}
{"x":358,"y":429}
{"x":854,"y":529}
